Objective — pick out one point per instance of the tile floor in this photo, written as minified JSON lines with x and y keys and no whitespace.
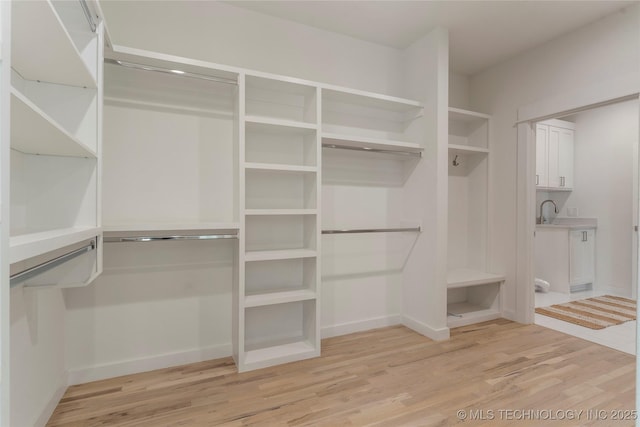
{"x":620,"y":337}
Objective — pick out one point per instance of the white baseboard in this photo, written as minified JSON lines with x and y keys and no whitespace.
{"x":359,"y":326}
{"x":426,"y":330}
{"x":48,"y":409}
{"x":144,"y":364}
{"x":509,"y":315}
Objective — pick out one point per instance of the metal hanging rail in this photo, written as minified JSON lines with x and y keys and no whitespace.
{"x":166,"y":238}
{"x":373,"y":230}
{"x":174,"y":72}
{"x":375,"y":150}
{"x":18,"y":278}
{"x":87,"y":14}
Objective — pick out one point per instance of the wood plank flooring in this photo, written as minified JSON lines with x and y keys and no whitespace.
{"x":498,"y":373}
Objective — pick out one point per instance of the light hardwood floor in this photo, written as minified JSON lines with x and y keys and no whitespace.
{"x":385,"y":377}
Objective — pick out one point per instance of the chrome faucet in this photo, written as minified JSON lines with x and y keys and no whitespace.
{"x":555,"y":209}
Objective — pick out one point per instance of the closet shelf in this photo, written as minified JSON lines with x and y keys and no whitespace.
{"x":34,"y":132}
{"x":464,"y":313}
{"x":273,"y":255}
{"x":281,"y":167}
{"x":467,"y":149}
{"x":281,"y":212}
{"x":278,"y":354}
{"x":42,"y":48}
{"x":464,"y":277}
{"x":28,"y":245}
{"x":278,"y":297}
{"x":282,"y":123}
{"x":466,"y":115}
{"x":114,"y":230}
{"x":369,"y":99}
{"x":368,"y":143}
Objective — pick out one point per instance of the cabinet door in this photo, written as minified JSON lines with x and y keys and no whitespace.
{"x":581,"y":257}
{"x":553,"y":156}
{"x":542,"y":141}
{"x":565,"y":158}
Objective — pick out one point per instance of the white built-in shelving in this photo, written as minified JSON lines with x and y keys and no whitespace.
{"x":56,"y":88}
{"x":473,"y":292}
{"x":277,"y":308}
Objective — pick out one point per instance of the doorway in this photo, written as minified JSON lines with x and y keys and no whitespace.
{"x":586,"y":198}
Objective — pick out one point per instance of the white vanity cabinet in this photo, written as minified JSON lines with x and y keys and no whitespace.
{"x":554,"y":155}
{"x":565,"y":257}
{"x":582,"y":257}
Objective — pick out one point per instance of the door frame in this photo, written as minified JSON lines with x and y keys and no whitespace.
{"x":601,"y":93}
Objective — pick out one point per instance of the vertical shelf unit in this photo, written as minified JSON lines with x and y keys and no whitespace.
{"x":278,"y":296}
{"x":55,"y":109}
{"x":473,"y":294}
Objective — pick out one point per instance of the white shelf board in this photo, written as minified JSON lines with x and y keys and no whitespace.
{"x":268,"y":128}
{"x":28,"y":245}
{"x":467,"y":149}
{"x":42,"y":48}
{"x":464,"y":277}
{"x":279,"y":254}
{"x":470,"y":314}
{"x":279,"y":354}
{"x":466,"y":115}
{"x":553,"y":189}
{"x":278,"y":297}
{"x":250,"y":212}
{"x":368,"y":142}
{"x":280,"y":167}
{"x":34,"y":132}
{"x":369,"y":99}
{"x":166,"y":226}
{"x":292,"y":124}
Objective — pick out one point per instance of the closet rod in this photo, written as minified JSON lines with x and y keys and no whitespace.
{"x":373,"y":230}
{"x":181,"y":73}
{"x":87,"y":14}
{"x":36,"y":270}
{"x":164,"y":238}
{"x":374,"y":150}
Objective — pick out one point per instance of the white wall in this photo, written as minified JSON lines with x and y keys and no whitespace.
{"x":602,"y":50}
{"x":458,"y":90}
{"x":605,"y":141}
{"x":222,"y":33}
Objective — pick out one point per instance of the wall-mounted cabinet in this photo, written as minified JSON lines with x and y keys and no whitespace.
{"x":473,"y":291}
{"x":554,"y":155}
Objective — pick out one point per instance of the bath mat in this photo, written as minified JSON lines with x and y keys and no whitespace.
{"x":593,"y":313}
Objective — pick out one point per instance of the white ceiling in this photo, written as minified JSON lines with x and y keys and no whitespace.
{"x":481,"y":33}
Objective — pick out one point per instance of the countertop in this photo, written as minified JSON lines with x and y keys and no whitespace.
{"x":570,"y":223}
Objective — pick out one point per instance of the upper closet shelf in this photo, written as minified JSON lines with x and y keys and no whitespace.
{"x":42,"y":48}
{"x":367,"y":143}
{"x":283,"y":123}
{"x":280,"y":167}
{"x":118,"y":229}
{"x":464,"y":277}
{"x":466,"y":115}
{"x":467,"y":149}
{"x":29,"y":245}
{"x":369,"y":100}
{"x":35,"y":132}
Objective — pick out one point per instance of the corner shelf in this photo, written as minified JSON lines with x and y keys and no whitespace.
{"x":29,"y":245}
{"x":42,"y":48}
{"x":35,"y":132}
